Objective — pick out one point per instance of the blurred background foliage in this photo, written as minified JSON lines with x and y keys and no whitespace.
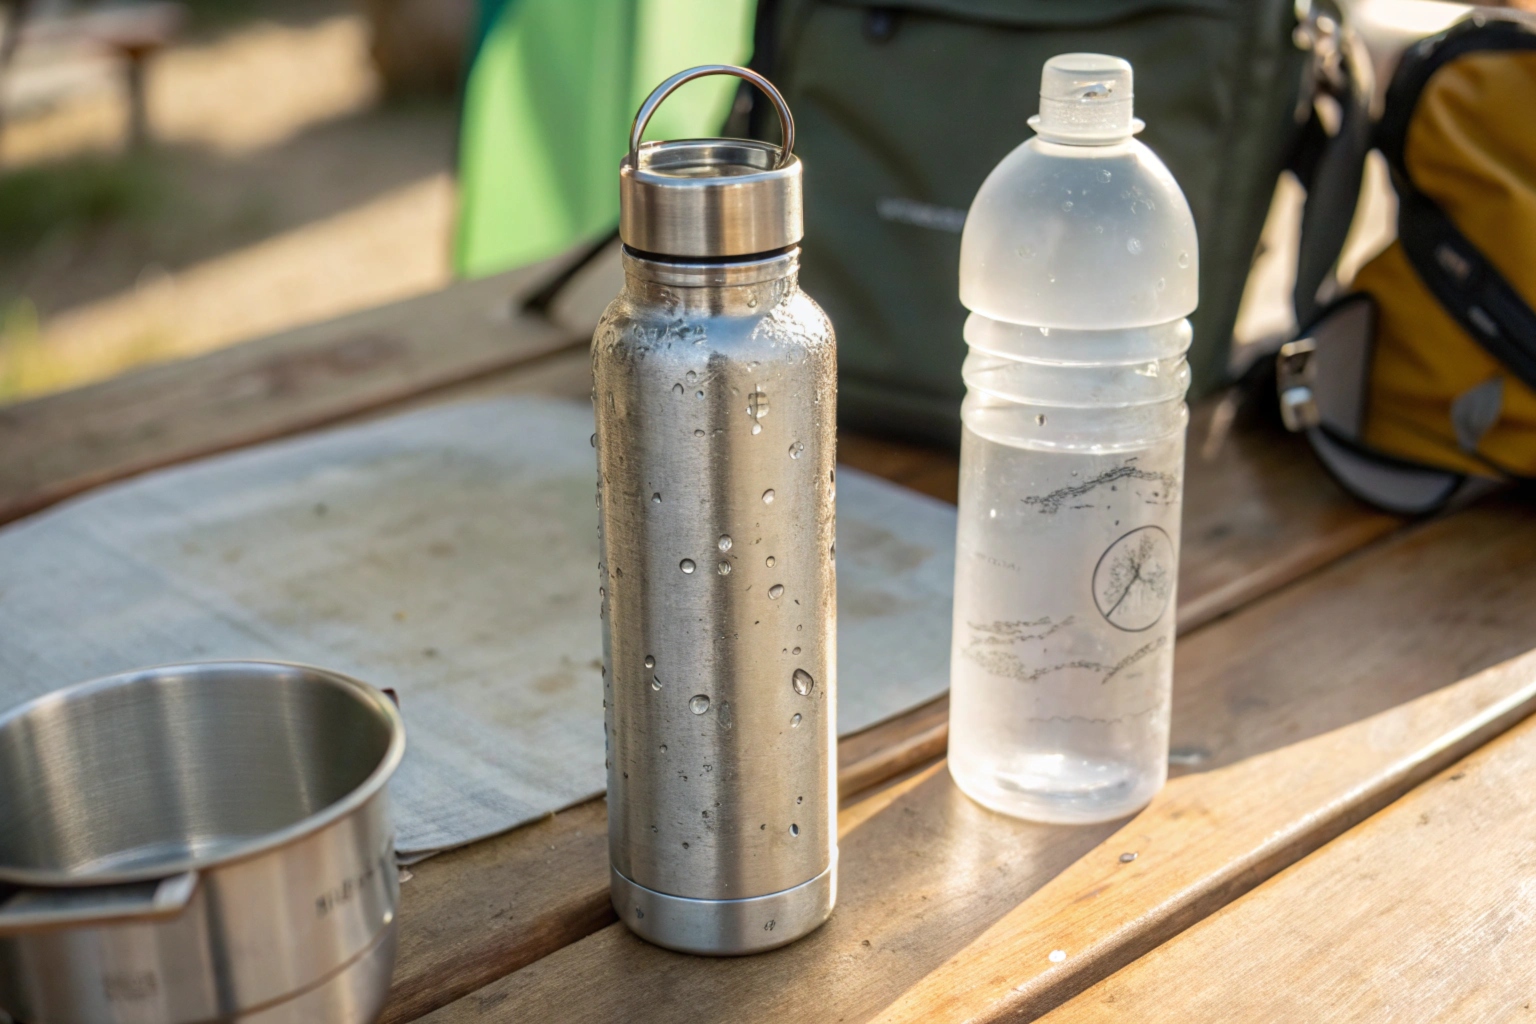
{"x":297,"y":164}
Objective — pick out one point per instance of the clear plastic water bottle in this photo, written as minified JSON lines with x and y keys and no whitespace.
{"x":1078,"y":263}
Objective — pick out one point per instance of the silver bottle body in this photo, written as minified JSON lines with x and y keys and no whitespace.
{"x":715,"y":397}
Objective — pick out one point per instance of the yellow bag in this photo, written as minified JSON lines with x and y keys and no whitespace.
{"x":1419,"y":387}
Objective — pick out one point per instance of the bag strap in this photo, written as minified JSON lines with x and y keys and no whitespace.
{"x":1469,"y":287}
{"x":1329,"y":164}
{"x":1455,"y":271}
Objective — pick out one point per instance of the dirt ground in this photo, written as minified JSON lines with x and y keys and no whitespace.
{"x":279,"y":189}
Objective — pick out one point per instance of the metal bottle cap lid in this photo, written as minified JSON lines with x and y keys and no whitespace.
{"x":710,"y":197}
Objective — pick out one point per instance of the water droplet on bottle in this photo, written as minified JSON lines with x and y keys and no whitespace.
{"x":776,"y":591}
{"x":594,"y":440}
{"x":690,"y":376}
{"x":770,"y":561}
{"x":757,"y":403}
{"x":686,"y":565}
{"x":656,"y":685}
{"x":795,"y":651}
{"x":725,"y":542}
{"x":1161,"y":284}
{"x":768,"y":496}
{"x":757,"y":428}
{"x":653,"y":828}
{"x":1066,"y":207}
{"x":796,"y":450}
{"x":1133,"y":246}
{"x":723,"y":716}
{"x":1183,"y":259}
{"x":663,"y":748}
{"x":698,"y":432}
{"x":677,"y":389}
{"x":794,"y":830}
{"x":656,"y":498}
{"x":1104,"y":175}
{"x":832,"y":552}
{"x":799,"y":799}
{"x":699,"y":704}
{"x":794,"y":723}
{"x":752,"y":301}
{"x":698,"y":394}
{"x":724,"y":568}
{"x":1039,"y":419}
{"x":802,"y":682}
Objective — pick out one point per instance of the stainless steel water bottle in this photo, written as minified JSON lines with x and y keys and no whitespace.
{"x":715,"y":393}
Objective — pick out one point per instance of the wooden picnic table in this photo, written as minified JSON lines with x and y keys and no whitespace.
{"x":1346,"y":836}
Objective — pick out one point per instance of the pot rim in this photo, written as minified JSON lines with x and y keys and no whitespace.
{"x":361,"y":794}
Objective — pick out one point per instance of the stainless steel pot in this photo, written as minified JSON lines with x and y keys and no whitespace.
{"x":199,"y":842}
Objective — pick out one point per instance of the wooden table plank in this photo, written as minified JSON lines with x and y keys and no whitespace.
{"x":1433,"y":604}
{"x":56,"y":446}
{"x":1422,"y":913}
{"x":914,"y":855}
{"x":473,"y":915}
{"x":1259,"y":514}
{"x":448,"y":962}
{"x":484,"y":947}
{"x":1205,"y":840}
{"x":926,"y":872}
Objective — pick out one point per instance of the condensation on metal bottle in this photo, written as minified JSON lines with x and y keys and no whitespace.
{"x":715,"y":394}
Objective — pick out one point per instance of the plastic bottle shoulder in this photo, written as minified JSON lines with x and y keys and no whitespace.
{"x":1086,"y":237}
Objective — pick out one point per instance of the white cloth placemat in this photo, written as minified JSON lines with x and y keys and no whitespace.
{"x":450,"y":554}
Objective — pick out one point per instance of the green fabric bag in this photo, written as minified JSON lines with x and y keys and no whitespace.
{"x":549,"y":98}
{"x":902,"y":107}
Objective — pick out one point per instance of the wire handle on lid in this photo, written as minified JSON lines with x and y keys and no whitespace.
{"x":665,"y":89}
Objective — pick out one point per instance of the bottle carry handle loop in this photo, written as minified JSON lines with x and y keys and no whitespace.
{"x":665,"y":89}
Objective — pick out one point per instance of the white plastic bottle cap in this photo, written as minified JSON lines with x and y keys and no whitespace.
{"x":1085,"y":99}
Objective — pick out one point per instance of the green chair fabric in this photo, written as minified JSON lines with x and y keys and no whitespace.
{"x":549,"y":98}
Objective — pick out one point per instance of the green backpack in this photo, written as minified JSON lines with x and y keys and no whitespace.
{"x":902,"y":108}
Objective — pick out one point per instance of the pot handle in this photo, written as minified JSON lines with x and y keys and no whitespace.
{"x":31,"y":910}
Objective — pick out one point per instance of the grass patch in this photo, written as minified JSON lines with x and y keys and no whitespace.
{"x":36,"y":202}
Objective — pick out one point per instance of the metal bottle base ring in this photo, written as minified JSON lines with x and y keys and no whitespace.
{"x":725,"y":927}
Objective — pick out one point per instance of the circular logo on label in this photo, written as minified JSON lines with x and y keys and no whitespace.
{"x":1134,"y":579}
